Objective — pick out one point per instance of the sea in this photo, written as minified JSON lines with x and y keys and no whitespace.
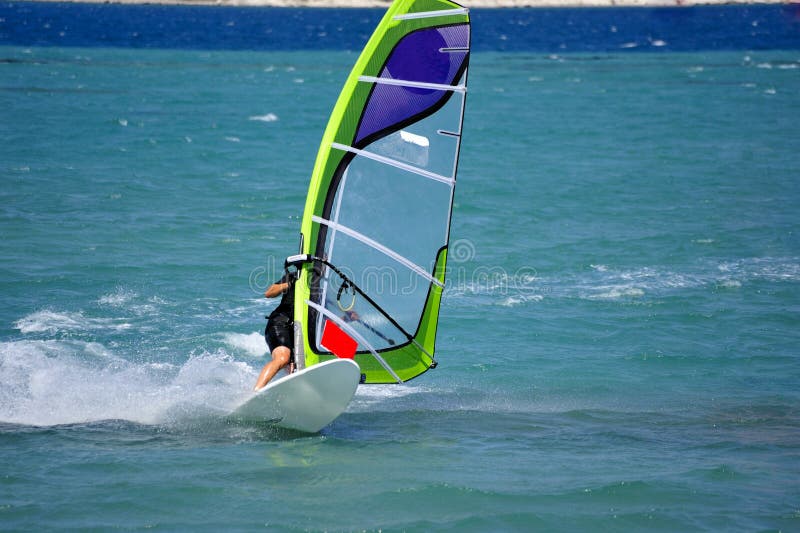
{"x":619,"y":338}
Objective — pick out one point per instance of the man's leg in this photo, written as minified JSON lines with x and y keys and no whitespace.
{"x":280,"y":357}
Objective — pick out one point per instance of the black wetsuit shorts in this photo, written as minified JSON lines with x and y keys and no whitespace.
{"x":280,"y":331}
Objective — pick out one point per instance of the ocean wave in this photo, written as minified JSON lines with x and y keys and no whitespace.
{"x":269,"y":117}
{"x":129,"y":300}
{"x":520,"y":299}
{"x":606,"y":282}
{"x":609,"y":284}
{"x":53,"y":382}
{"x":251,"y":344}
{"x":761,"y":268}
{"x":52,"y":322}
{"x":781,"y":65}
{"x":118,"y":298}
{"x":371,"y":397}
{"x":615,"y":293}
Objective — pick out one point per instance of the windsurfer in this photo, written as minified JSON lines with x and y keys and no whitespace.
{"x":280,"y":329}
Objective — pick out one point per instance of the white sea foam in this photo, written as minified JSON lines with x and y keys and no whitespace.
{"x":371,"y":397}
{"x":766,"y":268}
{"x":615,"y":293}
{"x":731,"y":274}
{"x":128,"y":300}
{"x":606,"y":282}
{"x":118,"y":298}
{"x":65,"y":382}
{"x":610,"y":284}
{"x":251,"y":344}
{"x":269,"y":117}
{"x":519,"y":299}
{"x":48,"y":321}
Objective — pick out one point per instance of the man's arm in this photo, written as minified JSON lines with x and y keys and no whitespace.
{"x":276,"y":289}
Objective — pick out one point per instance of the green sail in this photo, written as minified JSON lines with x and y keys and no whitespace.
{"x":377,"y":215}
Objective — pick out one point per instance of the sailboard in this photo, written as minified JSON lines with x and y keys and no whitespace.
{"x":376,"y":224}
{"x":307,"y":400}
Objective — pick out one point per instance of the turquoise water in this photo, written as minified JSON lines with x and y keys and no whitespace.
{"x":618,"y":343}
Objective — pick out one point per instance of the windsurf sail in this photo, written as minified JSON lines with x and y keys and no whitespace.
{"x":376,"y":223}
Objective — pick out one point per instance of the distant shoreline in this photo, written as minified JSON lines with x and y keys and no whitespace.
{"x":467,"y":3}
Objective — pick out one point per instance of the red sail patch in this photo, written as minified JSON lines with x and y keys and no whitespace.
{"x":337,"y":341}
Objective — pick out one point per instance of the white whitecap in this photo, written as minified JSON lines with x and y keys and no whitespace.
{"x":615,"y":293}
{"x":519,"y":299}
{"x":118,"y":298}
{"x":67,"y":382}
{"x":269,"y":117}
{"x":252,"y":344}
{"x":370,"y":398}
{"x":48,"y":321}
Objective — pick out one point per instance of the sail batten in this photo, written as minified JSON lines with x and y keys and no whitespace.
{"x":378,"y":246}
{"x":430,"y":14}
{"x":414,"y":84}
{"x":377,"y":216}
{"x":399,"y":164}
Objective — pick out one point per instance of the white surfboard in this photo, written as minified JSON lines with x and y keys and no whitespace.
{"x":307,"y":400}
